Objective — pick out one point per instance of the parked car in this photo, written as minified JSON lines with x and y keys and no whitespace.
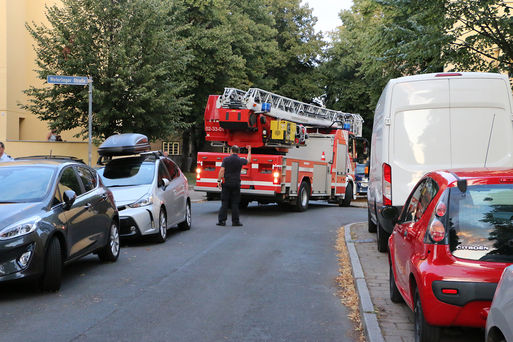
{"x":361,"y":179}
{"x":52,"y":212}
{"x":499,"y":324}
{"x":449,"y":246}
{"x":434,"y":121}
{"x":150,"y":190}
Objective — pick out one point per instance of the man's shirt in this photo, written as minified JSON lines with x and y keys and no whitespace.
{"x":5,"y":158}
{"x":232,"y":166}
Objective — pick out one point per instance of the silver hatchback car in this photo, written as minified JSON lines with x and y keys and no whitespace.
{"x":499,"y":324}
{"x":150,"y":191}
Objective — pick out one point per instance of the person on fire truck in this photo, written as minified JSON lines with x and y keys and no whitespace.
{"x":230,"y":188}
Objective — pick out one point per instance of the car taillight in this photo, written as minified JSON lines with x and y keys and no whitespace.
{"x":198,"y":173}
{"x":276,"y":179}
{"x":387,"y":184}
{"x":367,"y":171}
{"x":436,"y":230}
{"x":441,"y":209}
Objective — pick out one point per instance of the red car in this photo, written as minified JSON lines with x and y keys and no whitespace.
{"x":449,"y":246}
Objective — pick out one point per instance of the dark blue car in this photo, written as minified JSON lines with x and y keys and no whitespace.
{"x":362,"y":179}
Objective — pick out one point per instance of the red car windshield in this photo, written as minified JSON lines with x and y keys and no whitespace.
{"x":481,"y":222}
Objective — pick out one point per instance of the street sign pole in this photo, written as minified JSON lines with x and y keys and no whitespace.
{"x":81,"y":81}
{"x":90,"y":81}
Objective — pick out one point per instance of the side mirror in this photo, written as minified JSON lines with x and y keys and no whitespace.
{"x":69,"y":198}
{"x":390,"y":213}
{"x":165,"y":183}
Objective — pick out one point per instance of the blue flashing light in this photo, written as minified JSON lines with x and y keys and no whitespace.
{"x":346,"y":126}
{"x":266,"y":107}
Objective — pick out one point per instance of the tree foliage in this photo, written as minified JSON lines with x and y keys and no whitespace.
{"x":135,"y":55}
{"x":483,"y":35}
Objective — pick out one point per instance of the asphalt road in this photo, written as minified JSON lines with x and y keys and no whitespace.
{"x":271,"y":280}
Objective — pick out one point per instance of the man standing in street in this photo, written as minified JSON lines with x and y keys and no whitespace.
{"x":230,"y":188}
{"x":3,"y":156}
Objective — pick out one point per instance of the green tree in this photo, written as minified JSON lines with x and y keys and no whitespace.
{"x":300,"y":48}
{"x":233,"y":45}
{"x":136,"y":56}
{"x":380,"y":40}
{"x":482,"y":35}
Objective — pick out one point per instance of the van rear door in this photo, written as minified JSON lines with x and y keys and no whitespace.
{"x":420,"y":133}
{"x":481,"y":129}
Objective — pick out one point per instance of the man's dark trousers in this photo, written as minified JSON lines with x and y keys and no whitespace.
{"x":230,"y":196}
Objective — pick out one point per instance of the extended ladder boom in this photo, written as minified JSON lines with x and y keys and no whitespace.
{"x":281,"y":107}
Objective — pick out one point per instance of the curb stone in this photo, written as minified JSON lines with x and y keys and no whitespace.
{"x":369,"y":317}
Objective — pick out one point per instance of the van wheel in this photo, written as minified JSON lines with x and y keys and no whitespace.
{"x":381,"y":238}
{"x":303,"y":197}
{"x":371,"y":226}
{"x":346,"y":202}
{"x":395,"y":295}
{"x":424,"y":332}
{"x":51,"y":279}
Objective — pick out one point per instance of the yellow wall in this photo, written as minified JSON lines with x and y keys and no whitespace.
{"x":22,"y":132}
{"x":37,"y":148}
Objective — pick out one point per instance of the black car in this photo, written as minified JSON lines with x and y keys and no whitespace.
{"x":52,"y":212}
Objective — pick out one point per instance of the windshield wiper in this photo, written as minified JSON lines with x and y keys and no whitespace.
{"x":118,"y":185}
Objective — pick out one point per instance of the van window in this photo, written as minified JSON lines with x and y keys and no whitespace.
{"x":481,"y":222}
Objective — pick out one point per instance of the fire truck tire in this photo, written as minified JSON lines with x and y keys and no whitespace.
{"x":303,"y":197}
{"x":243,"y":204}
{"x":346,"y":202}
{"x":371,"y":225}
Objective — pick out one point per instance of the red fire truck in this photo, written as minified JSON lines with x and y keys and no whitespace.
{"x":300,"y":152}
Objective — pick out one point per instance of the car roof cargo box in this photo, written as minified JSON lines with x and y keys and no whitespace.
{"x":124,"y":144}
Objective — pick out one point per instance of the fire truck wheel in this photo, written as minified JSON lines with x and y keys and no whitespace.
{"x":243,"y":204}
{"x":346,"y":202}
{"x":303,"y":197}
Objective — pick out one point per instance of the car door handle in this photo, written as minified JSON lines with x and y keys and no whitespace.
{"x":88,"y":206}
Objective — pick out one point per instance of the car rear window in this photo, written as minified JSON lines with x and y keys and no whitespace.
{"x":25,"y":184}
{"x":128,"y":172}
{"x":481,"y":222}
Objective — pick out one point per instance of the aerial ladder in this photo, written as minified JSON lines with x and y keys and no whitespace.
{"x":260,"y":118}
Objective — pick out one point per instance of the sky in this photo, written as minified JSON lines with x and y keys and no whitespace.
{"x":327,"y":12}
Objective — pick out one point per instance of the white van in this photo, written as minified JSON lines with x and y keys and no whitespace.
{"x":435,"y":121}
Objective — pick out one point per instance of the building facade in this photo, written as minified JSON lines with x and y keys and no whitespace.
{"x":22,"y":132}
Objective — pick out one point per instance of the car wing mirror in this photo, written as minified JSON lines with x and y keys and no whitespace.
{"x":165,"y":182}
{"x":390,"y":213}
{"x":69,"y":198}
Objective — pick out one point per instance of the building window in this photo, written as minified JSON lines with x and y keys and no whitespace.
{"x":171,"y":147}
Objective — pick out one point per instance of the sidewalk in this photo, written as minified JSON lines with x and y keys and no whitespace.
{"x":396,"y":321}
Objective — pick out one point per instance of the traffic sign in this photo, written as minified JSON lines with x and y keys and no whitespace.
{"x":82,"y":81}
{"x":69,"y":80}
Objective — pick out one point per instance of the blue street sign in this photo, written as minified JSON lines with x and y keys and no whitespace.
{"x":69,"y":80}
